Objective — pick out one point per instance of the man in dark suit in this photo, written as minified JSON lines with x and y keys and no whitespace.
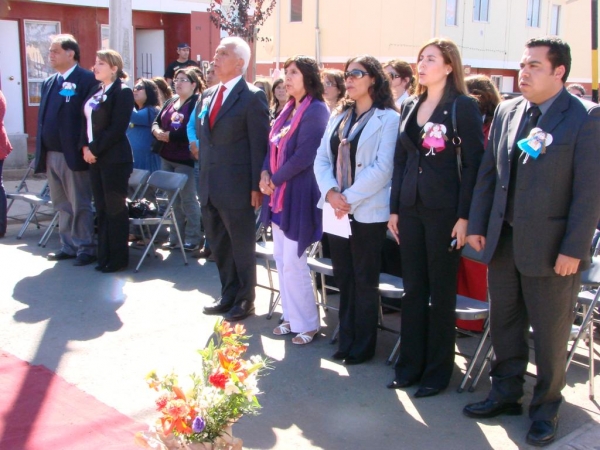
{"x":59,"y":155}
{"x":232,"y":126}
{"x":534,"y":215}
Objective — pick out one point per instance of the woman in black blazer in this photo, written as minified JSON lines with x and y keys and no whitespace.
{"x":107,"y":150}
{"x":429,"y":208}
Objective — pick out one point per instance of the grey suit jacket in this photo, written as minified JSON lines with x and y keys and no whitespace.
{"x":556,"y":197}
{"x":233,"y":152}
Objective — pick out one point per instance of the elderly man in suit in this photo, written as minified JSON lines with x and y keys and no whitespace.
{"x":534,"y":211}
{"x":232,"y":126}
{"x":59,"y":155}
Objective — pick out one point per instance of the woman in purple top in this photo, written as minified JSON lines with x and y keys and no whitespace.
{"x":292,"y":194}
{"x":170,"y":127}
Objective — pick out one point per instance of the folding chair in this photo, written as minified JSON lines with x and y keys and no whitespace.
{"x":21,"y":187}
{"x":35,"y":201}
{"x":264,"y":251}
{"x":324,"y":267}
{"x":166,"y":181}
{"x":390,"y":286}
{"x":588,"y":301}
{"x":137,"y":181}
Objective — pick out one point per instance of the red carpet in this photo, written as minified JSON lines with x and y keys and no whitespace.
{"x":41,"y":411}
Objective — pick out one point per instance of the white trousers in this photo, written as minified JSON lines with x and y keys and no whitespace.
{"x":297,"y":296}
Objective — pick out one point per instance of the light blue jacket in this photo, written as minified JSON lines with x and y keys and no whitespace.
{"x":191,"y":128}
{"x":369,"y":195}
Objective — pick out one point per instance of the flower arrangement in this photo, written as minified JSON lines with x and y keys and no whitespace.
{"x":223,"y":391}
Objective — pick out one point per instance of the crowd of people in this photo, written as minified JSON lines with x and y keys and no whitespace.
{"x":394,"y":151}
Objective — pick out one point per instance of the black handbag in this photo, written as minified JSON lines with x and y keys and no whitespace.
{"x":141,"y":209}
{"x":457,"y":141}
{"x":157,"y":146}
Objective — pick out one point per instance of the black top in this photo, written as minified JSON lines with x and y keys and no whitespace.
{"x":414,"y":131}
{"x":335,"y":143}
{"x":175,"y":65}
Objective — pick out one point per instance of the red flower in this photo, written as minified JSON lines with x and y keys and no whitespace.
{"x":218,"y":379}
{"x":161,"y":402}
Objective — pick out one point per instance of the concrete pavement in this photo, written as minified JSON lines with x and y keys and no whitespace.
{"x":104,"y":332}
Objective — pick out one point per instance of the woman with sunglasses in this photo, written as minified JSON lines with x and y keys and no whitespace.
{"x":107,"y":150}
{"x":170,"y":127}
{"x":335,"y":89}
{"x":430,"y":201}
{"x":401,"y":79}
{"x":353,"y":167}
{"x":139,"y":133}
{"x":291,"y":194}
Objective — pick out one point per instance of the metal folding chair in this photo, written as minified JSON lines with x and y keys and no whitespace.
{"x":36,"y":202}
{"x":166,"y":181}
{"x":264,"y":251}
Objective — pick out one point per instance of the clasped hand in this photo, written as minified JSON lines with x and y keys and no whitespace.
{"x":265,"y":185}
{"x":338,"y":203}
{"x":88,"y":156}
{"x":161,"y":135}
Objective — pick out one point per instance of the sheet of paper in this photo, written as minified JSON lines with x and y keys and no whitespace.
{"x":333,"y":225}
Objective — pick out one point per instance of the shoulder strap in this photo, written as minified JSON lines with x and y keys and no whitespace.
{"x":457,"y":141}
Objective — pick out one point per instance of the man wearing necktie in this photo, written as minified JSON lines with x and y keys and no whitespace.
{"x":58,"y":155}
{"x":534,"y":211}
{"x":232,"y":125}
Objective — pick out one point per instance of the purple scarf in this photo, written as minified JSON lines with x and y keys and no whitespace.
{"x":278,"y":141}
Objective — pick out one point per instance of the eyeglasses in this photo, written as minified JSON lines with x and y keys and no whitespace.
{"x":578,"y":95}
{"x":393,"y":76}
{"x":139,"y":87}
{"x":356,"y":73}
{"x":328,"y":84}
{"x":181,"y":80}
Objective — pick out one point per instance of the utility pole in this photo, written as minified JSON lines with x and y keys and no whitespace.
{"x":120,"y":20}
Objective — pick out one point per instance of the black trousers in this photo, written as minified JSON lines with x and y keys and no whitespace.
{"x":518,"y":301}
{"x":428,"y":308}
{"x":109,"y":186}
{"x":232,"y":237}
{"x":356,"y":266}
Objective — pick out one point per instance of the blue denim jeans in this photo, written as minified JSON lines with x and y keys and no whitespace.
{"x":187,"y":208}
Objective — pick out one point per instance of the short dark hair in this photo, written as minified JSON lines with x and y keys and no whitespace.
{"x":68,"y":42}
{"x":577,"y":87}
{"x":380,"y":91}
{"x":151,"y":91}
{"x":403,"y":69}
{"x":484,"y":90}
{"x":310,"y":73}
{"x":559,"y":52}
{"x":193,"y":76}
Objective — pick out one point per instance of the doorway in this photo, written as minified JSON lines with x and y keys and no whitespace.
{"x":149,"y":53}
{"x":11,"y":81}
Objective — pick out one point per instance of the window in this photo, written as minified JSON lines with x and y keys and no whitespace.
{"x":533,"y":13}
{"x":481,"y":9}
{"x":38,"y":35}
{"x":555,"y":20}
{"x":295,"y":10}
{"x":451,"y":19}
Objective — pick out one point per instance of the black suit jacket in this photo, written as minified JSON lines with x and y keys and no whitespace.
{"x":556,"y":195}
{"x":71,"y":119}
{"x":109,"y":126}
{"x":435,"y":177}
{"x":232,"y":153}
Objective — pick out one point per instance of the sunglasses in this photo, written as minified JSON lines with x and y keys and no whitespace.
{"x":139,"y":87}
{"x":393,"y":76}
{"x":356,"y":73}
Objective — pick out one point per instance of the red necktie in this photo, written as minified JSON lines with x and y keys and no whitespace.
{"x":216,"y":106}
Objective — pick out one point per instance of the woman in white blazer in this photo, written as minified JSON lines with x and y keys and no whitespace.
{"x":354,"y":166}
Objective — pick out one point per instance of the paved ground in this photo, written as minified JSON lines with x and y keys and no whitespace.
{"x":103,"y":333}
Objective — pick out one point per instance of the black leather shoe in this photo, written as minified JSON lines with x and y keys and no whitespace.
{"x":203,"y":253}
{"x":339,"y":355}
{"x":353,"y":361}
{"x":112,"y":268}
{"x":240,"y":311}
{"x":99,"y":267}
{"x":490,"y":408}
{"x":399,"y":383}
{"x":426,"y":392}
{"x":60,"y":256}
{"x":220,"y":306}
{"x":84,"y":259}
{"x":542,"y":432}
